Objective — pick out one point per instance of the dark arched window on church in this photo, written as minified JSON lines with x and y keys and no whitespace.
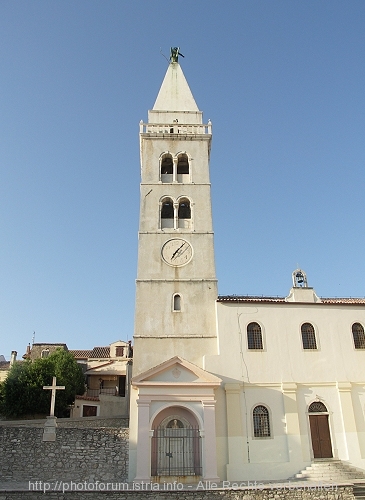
{"x":254,"y":336}
{"x":167,"y":167}
{"x":261,"y":422}
{"x":358,"y":335}
{"x":177,"y":302}
{"x":184,"y":214}
{"x":167,"y":213}
{"x":182,"y":164}
{"x":308,"y":336}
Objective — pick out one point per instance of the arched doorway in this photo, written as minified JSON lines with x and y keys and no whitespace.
{"x":176,"y":447}
{"x":320,"y":430}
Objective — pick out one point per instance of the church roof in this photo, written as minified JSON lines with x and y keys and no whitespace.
{"x":175,"y":93}
{"x":248,"y":298}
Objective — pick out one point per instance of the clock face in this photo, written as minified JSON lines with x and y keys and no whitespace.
{"x":177,"y":252}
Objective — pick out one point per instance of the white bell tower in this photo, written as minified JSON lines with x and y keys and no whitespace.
{"x":176,"y":291}
{"x":176,"y":284}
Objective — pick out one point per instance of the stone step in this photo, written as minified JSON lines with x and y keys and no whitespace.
{"x":359,"y":491}
{"x":334,"y":470}
{"x":330,"y":473}
{"x":332,"y":467}
{"x":325,"y":469}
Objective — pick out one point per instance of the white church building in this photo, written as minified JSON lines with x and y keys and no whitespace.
{"x":228,"y":387}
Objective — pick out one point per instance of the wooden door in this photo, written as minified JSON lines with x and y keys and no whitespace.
{"x":89,"y":411}
{"x":321,"y":438}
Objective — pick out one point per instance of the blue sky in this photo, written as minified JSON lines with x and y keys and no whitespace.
{"x":283,"y":83}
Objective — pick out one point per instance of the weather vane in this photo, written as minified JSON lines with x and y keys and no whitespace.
{"x":174,"y":54}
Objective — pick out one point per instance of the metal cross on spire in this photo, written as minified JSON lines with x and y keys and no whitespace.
{"x":53,"y":388}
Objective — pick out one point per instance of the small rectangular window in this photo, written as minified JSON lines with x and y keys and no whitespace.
{"x":119,"y":350}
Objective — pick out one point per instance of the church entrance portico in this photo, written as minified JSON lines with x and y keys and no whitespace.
{"x":176,"y":435}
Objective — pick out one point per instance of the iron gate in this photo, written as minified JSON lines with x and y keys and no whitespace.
{"x":176,"y":451}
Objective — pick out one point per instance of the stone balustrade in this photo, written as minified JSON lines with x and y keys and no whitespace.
{"x":175,"y":128}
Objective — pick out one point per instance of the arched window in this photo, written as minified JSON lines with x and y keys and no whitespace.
{"x":182,"y":164}
{"x":359,"y":336}
{"x":177,"y":302}
{"x":167,"y":213}
{"x":308,"y":336}
{"x":261,"y":422}
{"x":317,"y":407}
{"x":184,"y":214}
{"x":254,"y":336}
{"x":45,"y":353}
{"x":167,"y":168}
{"x":184,"y":210}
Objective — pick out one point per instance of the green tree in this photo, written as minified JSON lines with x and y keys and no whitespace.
{"x":22,"y":392}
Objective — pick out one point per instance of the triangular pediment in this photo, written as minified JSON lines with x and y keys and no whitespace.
{"x":176,"y":371}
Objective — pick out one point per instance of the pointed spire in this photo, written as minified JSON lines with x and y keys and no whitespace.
{"x":175,"y":94}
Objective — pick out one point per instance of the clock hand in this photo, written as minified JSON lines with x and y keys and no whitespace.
{"x":176,"y":251}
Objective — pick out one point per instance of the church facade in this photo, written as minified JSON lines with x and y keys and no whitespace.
{"x":228,"y":388}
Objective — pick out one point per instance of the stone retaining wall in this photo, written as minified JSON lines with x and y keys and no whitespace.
{"x":269,"y":493}
{"x":80,"y":453}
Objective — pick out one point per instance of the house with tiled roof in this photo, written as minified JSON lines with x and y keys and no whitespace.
{"x":42,"y":350}
{"x":108,"y":372}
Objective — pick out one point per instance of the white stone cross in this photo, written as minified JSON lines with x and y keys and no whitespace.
{"x":53,"y":388}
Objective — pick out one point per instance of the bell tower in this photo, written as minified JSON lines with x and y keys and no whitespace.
{"x":176,"y":285}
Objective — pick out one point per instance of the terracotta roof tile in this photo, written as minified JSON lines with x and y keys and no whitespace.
{"x":100,"y":352}
{"x":96,"y":352}
{"x":248,"y":298}
{"x":346,"y":300}
{"x":88,"y":398}
{"x":81,"y":353}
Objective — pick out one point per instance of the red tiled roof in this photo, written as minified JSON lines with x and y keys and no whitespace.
{"x":100,"y":352}
{"x":346,"y":300}
{"x":50,"y":343}
{"x":88,"y":398}
{"x":96,"y":352}
{"x":247,"y":298}
{"x":81,"y":353}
